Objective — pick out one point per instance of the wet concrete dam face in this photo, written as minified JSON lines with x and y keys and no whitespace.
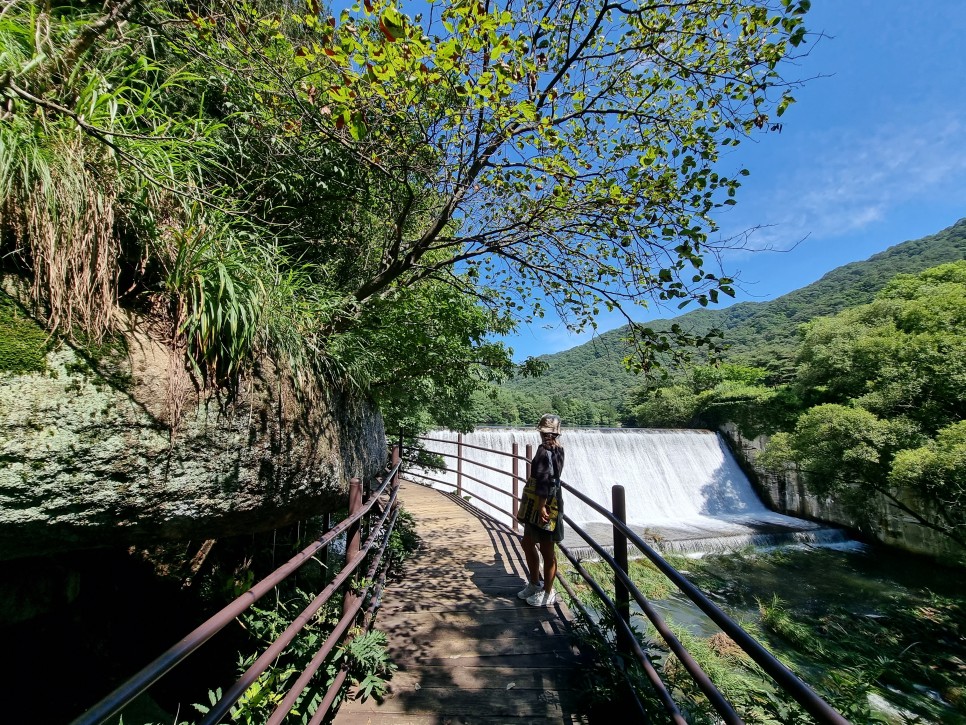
{"x":683,"y":488}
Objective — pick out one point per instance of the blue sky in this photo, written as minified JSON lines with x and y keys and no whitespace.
{"x":873,"y":154}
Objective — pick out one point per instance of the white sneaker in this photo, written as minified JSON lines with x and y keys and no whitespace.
{"x":542,"y":599}
{"x":529,"y":590}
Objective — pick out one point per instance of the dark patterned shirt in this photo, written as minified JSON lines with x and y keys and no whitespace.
{"x":546,"y":467}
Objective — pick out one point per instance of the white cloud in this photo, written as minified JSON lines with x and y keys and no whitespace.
{"x":845,"y":181}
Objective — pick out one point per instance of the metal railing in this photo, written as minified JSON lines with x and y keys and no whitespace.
{"x":625,"y":589}
{"x":381,"y":517}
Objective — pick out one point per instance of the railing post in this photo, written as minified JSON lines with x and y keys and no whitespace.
{"x":459,"y":465}
{"x":514,"y":505}
{"x":397,"y":475}
{"x":396,"y":458}
{"x":353,"y":538}
{"x":326,"y":528}
{"x":622,"y":597}
{"x":529,"y":458}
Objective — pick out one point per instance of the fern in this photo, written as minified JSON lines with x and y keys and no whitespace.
{"x":368,"y":663}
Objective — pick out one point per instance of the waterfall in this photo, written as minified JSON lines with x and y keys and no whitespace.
{"x":683,"y":488}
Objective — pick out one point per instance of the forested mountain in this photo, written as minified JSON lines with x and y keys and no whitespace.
{"x":758,"y":333}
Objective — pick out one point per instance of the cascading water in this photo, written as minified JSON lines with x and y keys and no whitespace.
{"x":683,"y":488}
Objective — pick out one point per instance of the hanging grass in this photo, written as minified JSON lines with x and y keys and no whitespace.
{"x":62,"y":216}
{"x":89,"y":160}
{"x":219,"y":299}
{"x":148,"y":166}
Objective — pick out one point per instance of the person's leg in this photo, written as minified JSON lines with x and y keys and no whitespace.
{"x":532,"y":557}
{"x":549,"y":553}
{"x":533,"y":568}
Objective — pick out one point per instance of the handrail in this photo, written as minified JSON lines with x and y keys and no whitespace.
{"x":264,"y":661}
{"x":790,"y":682}
{"x":121,"y":696}
{"x":329,"y":698}
{"x":700,"y":677}
{"x":782,"y":676}
{"x":466,"y":445}
{"x":288,"y":702}
{"x":472,"y":478}
{"x":476,"y":463}
{"x":656,"y":682}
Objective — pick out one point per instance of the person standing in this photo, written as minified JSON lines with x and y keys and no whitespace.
{"x":545,"y":470}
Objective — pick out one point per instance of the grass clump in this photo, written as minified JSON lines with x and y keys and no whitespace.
{"x":776,"y":617}
{"x":646,"y":577}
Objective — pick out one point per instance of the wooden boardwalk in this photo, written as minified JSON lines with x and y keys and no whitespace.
{"x":467,"y":649}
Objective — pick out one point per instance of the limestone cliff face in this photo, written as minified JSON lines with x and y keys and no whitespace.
{"x":88,"y":456}
{"x":787,"y":493}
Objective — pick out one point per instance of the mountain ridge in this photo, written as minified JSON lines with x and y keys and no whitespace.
{"x":757,"y":333}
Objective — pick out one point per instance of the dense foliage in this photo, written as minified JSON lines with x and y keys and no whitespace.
{"x":708,"y":396}
{"x":365,"y":196}
{"x":883,"y":391}
{"x":754,"y":334}
{"x":855,"y":625}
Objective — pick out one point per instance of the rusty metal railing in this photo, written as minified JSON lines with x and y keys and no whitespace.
{"x":381,"y":523}
{"x":625,"y":589}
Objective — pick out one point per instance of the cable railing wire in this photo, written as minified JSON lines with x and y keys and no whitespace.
{"x":465,"y":445}
{"x":473,"y":462}
{"x":490,"y":486}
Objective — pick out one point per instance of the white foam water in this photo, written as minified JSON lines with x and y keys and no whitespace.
{"x":683,"y":488}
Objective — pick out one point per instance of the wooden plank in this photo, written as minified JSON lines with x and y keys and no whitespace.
{"x":483,"y":640}
{"x":369,"y":718}
{"x":468,"y":650}
{"x":467,"y":703}
{"x":495,"y":677}
{"x":526,"y":655}
{"x":514,"y":616}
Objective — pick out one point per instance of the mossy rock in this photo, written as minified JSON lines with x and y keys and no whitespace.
{"x":23,"y":343}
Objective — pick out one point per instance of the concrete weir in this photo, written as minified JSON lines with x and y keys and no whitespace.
{"x":684,"y":490}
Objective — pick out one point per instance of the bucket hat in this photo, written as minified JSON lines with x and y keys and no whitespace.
{"x":549,"y":423}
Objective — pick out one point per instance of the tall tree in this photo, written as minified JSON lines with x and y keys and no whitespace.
{"x":284,"y":175}
{"x":563,"y":154}
{"x":884,"y":387}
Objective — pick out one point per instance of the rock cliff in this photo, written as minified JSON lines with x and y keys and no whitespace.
{"x":787,"y":493}
{"x":120,"y":450}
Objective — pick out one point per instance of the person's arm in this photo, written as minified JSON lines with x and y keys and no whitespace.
{"x":540,"y":471}
{"x":558,"y":464}
{"x":544,"y":513}
{"x":543,"y":481}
